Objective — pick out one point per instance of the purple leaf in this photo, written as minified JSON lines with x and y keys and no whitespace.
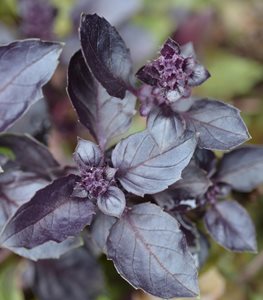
{"x":113,"y":202}
{"x":219,"y":124}
{"x":106,"y":54}
{"x":242,"y":168}
{"x":17,"y":188}
{"x":75,"y":276}
{"x":48,"y":250}
{"x":182,"y":194}
{"x":100,"y":229}
{"x":149,"y":250}
{"x":30,"y":155}
{"x":104,"y":116}
{"x":194,"y":182}
{"x":165,"y":128}
{"x":206,"y":160}
{"x":25,"y":66}
{"x":51,"y":215}
{"x":231,"y":226}
{"x":87,"y":154}
{"x":144,"y":168}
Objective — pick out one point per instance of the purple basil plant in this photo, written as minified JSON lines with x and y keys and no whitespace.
{"x":143,"y":197}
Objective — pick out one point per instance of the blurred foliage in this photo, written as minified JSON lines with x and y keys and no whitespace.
{"x":231,"y":75}
{"x":9,"y":289}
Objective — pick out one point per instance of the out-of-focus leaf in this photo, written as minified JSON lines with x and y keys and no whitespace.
{"x":149,"y":250}
{"x":194,"y":182}
{"x":36,"y":18}
{"x":220,"y":125}
{"x":51,"y":215}
{"x":25,"y":66}
{"x":213,"y":285}
{"x":35,"y":122}
{"x":242,"y":168}
{"x":231,"y":226}
{"x":231,"y":75}
{"x":75,"y":276}
{"x":100,"y":230}
{"x":104,"y":116}
{"x":121,"y":12}
{"x":144,"y":168}
{"x":9,"y":288}
{"x":106,"y":54}
{"x":182,"y":195}
{"x":48,"y":250}
{"x":17,"y":188}
{"x":30,"y":155}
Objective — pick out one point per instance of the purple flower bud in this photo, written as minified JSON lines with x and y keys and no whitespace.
{"x":94,"y":182}
{"x":173,"y":73}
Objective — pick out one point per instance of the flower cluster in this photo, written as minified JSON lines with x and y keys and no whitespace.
{"x":171,"y":76}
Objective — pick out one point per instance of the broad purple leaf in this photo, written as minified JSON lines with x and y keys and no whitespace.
{"x":144,"y":168}
{"x":219,"y":124}
{"x":149,"y":250}
{"x":231,"y":226}
{"x":51,"y":215}
{"x":104,"y":116}
{"x":182,"y":195}
{"x":100,"y":229}
{"x":242,"y":168}
{"x":194,"y":182}
{"x":206,"y":160}
{"x":113,"y":202}
{"x":106,"y":54}
{"x":30,"y":155}
{"x":75,"y":276}
{"x":87,"y":154}
{"x":25,"y":66}
{"x":48,"y":250}
{"x":17,"y":188}
{"x":165,"y":128}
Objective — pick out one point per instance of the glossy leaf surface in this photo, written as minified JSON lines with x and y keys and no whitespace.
{"x":149,"y":250}
{"x":100,"y":229}
{"x":106,"y":54}
{"x":51,"y":215}
{"x":219,"y":124}
{"x":17,"y":188}
{"x":113,"y":202}
{"x":25,"y":66}
{"x":144,"y":168}
{"x":231,"y":226}
{"x":165,"y":128}
{"x":104,"y":115}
